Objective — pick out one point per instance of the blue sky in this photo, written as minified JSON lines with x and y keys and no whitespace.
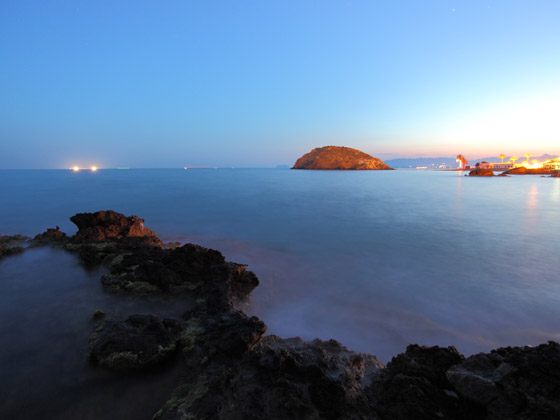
{"x":259,"y":83}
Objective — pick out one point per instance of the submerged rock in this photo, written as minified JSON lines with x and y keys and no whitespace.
{"x":335,"y":157}
{"x":139,"y":342}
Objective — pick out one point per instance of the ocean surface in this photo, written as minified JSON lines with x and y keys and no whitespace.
{"x":376,"y":260}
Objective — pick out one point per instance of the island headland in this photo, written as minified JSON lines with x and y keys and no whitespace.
{"x":341,"y":158}
{"x":233,"y":370}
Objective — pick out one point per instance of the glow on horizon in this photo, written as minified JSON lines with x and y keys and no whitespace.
{"x":526,"y":124}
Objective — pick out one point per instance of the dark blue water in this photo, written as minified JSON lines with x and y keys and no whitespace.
{"x":376,"y":260}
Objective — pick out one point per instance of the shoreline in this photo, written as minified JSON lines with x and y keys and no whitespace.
{"x":226,"y":350}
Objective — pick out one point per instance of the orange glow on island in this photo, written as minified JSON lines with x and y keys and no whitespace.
{"x":94,"y":168}
{"x":75,"y":168}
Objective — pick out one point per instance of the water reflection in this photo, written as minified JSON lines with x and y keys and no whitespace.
{"x":46,"y":304}
{"x":531,"y":219}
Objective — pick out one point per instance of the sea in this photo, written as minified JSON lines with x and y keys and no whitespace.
{"x":376,"y":260}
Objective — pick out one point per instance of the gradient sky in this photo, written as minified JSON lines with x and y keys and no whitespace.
{"x":259,"y":83}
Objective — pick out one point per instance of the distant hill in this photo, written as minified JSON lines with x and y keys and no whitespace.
{"x":432,"y":163}
{"x":337,"y":157}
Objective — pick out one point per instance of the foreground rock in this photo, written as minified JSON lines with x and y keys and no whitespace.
{"x":234,"y":371}
{"x":481,"y":172}
{"x":11,"y":244}
{"x":139,"y":342}
{"x":512,"y":382}
{"x":334,"y":157}
{"x":140,"y":264}
{"x":110,"y":225}
{"x":280,"y":379}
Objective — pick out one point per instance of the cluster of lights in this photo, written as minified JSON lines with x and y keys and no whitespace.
{"x":77,"y":168}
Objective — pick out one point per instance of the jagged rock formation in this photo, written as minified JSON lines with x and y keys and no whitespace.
{"x":107,"y":225}
{"x":140,"y":264}
{"x":334,"y":157}
{"x":234,"y":371}
{"x":481,"y":172}
{"x":139,"y":342}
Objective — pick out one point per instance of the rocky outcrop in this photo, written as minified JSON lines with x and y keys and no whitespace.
{"x":233,"y":370}
{"x":512,"y":382}
{"x":50,"y":236}
{"x":334,"y":157}
{"x":481,"y":172}
{"x":139,"y":342}
{"x":522,"y":170}
{"x":555,"y":174}
{"x":11,"y":244}
{"x":110,"y":225}
{"x":140,"y":264}
{"x":280,"y":379}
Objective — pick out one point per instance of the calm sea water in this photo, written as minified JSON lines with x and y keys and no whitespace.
{"x":376,"y":260}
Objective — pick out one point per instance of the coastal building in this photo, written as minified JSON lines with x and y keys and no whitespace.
{"x":552,"y":164}
{"x":501,"y":166}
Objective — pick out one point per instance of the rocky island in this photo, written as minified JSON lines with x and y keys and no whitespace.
{"x":341,"y":158}
{"x":233,"y":370}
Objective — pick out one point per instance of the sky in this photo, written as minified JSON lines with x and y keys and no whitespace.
{"x":259,"y":83}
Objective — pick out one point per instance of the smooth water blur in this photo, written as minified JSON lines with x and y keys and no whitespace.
{"x":374,"y":259}
{"x":46,"y":305}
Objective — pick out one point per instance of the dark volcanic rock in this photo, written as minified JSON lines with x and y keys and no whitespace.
{"x":512,"y":382}
{"x":481,"y":172}
{"x":555,"y":174}
{"x":10,"y":244}
{"x":414,"y":386}
{"x":50,"y":236}
{"x":110,"y":225}
{"x":280,"y":379}
{"x":235,"y":372}
{"x":188,"y":270}
{"x":139,"y":342}
{"x":334,"y":157}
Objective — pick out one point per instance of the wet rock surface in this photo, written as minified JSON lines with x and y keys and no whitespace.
{"x":139,"y":342}
{"x":234,"y":371}
{"x":279,"y":378}
{"x":12,"y":244}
